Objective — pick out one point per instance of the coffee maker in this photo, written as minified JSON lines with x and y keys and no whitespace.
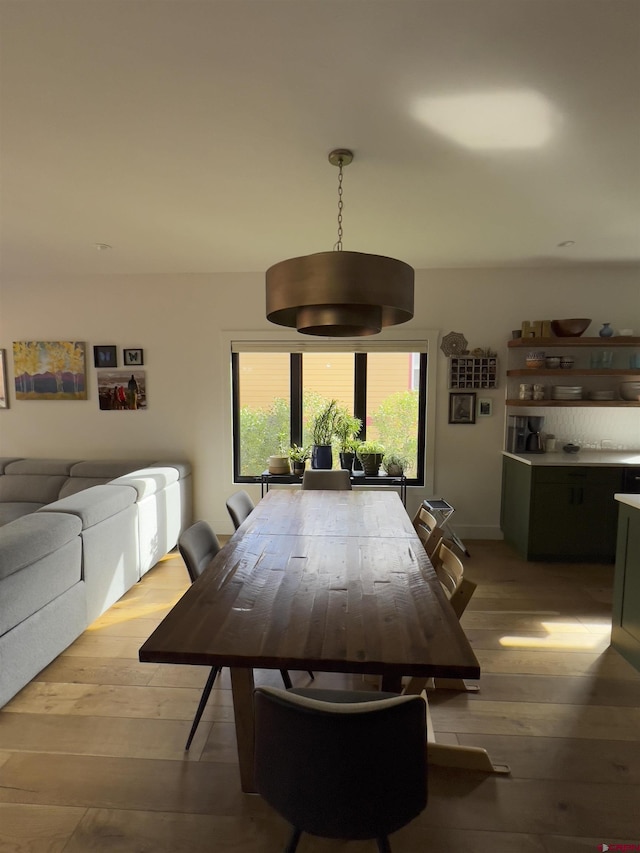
{"x":524,"y":434}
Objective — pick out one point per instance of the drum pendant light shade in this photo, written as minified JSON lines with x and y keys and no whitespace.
{"x":339,"y":294}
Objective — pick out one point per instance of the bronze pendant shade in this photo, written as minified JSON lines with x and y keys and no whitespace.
{"x":339,"y":294}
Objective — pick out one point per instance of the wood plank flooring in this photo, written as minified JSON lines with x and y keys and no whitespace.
{"x":92,"y":751}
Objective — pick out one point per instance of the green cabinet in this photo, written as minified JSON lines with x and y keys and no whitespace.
{"x":560,"y":512}
{"x":625,"y":629}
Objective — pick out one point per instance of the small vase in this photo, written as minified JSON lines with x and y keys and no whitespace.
{"x":606,"y":331}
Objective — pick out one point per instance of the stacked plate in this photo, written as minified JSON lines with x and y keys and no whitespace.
{"x":601,"y":395}
{"x":566,"y":392}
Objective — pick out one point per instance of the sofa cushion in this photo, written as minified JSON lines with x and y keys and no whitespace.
{"x":107,"y":469}
{"x":23,"y":593}
{"x":32,"y":537}
{"x":148,"y":481}
{"x":35,"y":488}
{"x":6,"y":460}
{"x":183,"y":468}
{"x":93,"y":505}
{"x":41,"y":466}
{"x":77,"y":484}
{"x":10,"y":510}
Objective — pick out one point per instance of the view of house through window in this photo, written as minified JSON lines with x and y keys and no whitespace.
{"x":278,"y":394}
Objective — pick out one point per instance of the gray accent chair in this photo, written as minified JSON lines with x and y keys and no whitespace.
{"x":240,"y":506}
{"x":198,"y":545}
{"x":341,"y":764}
{"x":338,"y":481}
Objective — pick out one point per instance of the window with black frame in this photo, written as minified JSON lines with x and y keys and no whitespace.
{"x":277,"y":395}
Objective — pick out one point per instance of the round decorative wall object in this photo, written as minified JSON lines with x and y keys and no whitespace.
{"x":454,"y":343}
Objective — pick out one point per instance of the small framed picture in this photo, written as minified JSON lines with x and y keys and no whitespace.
{"x":485,"y":407}
{"x":105,"y":356}
{"x":132,"y":357}
{"x":462,"y":408}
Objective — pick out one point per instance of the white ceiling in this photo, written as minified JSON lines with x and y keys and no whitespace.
{"x":193,"y":136}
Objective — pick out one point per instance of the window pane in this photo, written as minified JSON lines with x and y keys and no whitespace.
{"x":392,"y":404}
{"x":263,"y":395}
{"x":325,"y":377}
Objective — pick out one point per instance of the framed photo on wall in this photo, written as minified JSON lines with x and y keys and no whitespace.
{"x":105,"y":356}
{"x":485,"y":407}
{"x":132,"y":357}
{"x":462,"y":408}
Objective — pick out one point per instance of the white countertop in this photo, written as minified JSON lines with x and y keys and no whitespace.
{"x":586,"y":457}
{"x":631,"y":500}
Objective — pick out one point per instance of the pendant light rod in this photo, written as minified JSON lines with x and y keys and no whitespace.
{"x":340,"y":157}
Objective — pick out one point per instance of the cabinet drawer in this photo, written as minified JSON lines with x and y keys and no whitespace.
{"x":579,"y":475}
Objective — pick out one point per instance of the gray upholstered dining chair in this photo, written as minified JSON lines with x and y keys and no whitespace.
{"x":198,"y":545}
{"x":338,"y":480}
{"x":240,"y":506}
{"x":341,"y":764}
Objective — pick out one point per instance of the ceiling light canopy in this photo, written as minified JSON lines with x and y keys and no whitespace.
{"x":339,"y":294}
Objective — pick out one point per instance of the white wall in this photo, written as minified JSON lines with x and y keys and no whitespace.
{"x":177,"y":320}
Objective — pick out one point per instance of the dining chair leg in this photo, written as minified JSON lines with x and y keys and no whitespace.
{"x":286,"y":679}
{"x":203,"y":701}
{"x":292,"y":844}
{"x":311,"y":675}
{"x":383,"y":844}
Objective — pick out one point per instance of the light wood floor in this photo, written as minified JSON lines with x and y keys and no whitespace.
{"x":92,"y":760}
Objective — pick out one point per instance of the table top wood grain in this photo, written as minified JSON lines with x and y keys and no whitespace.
{"x":323,"y":581}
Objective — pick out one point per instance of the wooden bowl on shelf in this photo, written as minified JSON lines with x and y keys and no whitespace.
{"x":572,"y":328}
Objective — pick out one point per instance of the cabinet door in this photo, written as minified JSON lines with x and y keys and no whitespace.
{"x":577,"y":519}
{"x":515,"y":507}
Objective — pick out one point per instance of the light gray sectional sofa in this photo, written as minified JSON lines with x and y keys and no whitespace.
{"x":75,"y":535}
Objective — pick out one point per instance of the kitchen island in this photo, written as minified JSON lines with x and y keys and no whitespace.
{"x":561,"y":506}
{"x":625,"y":623}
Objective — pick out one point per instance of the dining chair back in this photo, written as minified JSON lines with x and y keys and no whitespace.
{"x":450,"y":571}
{"x":429,"y":531}
{"x":240,"y":506}
{"x":338,"y":480}
{"x":198,"y":545}
{"x":354,"y":770}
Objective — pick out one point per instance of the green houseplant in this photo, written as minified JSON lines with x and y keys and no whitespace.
{"x":322,"y":432}
{"x":371,"y":453}
{"x":394,"y":465}
{"x":346,"y":429}
{"x":298,"y":456}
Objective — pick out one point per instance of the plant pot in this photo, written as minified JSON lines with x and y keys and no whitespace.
{"x":298,"y":468}
{"x":322,"y":456}
{"x":371,"y":463}
{"x":279,"y":465}
{"x":394,"y":471}
{"x":346,"y":461}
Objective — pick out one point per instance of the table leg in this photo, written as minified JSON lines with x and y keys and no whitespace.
{"x":392,"y":683}
{"x":242,"y":690}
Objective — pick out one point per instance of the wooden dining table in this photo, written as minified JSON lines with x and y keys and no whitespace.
{"x":325,"y":581}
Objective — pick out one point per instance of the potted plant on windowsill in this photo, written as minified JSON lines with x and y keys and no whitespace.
{"x":322,"y":432}
{"x":371,"y":453}
{"x":347,"y":427}
{"x":298,"y":456}
{"x":394,"y":465}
